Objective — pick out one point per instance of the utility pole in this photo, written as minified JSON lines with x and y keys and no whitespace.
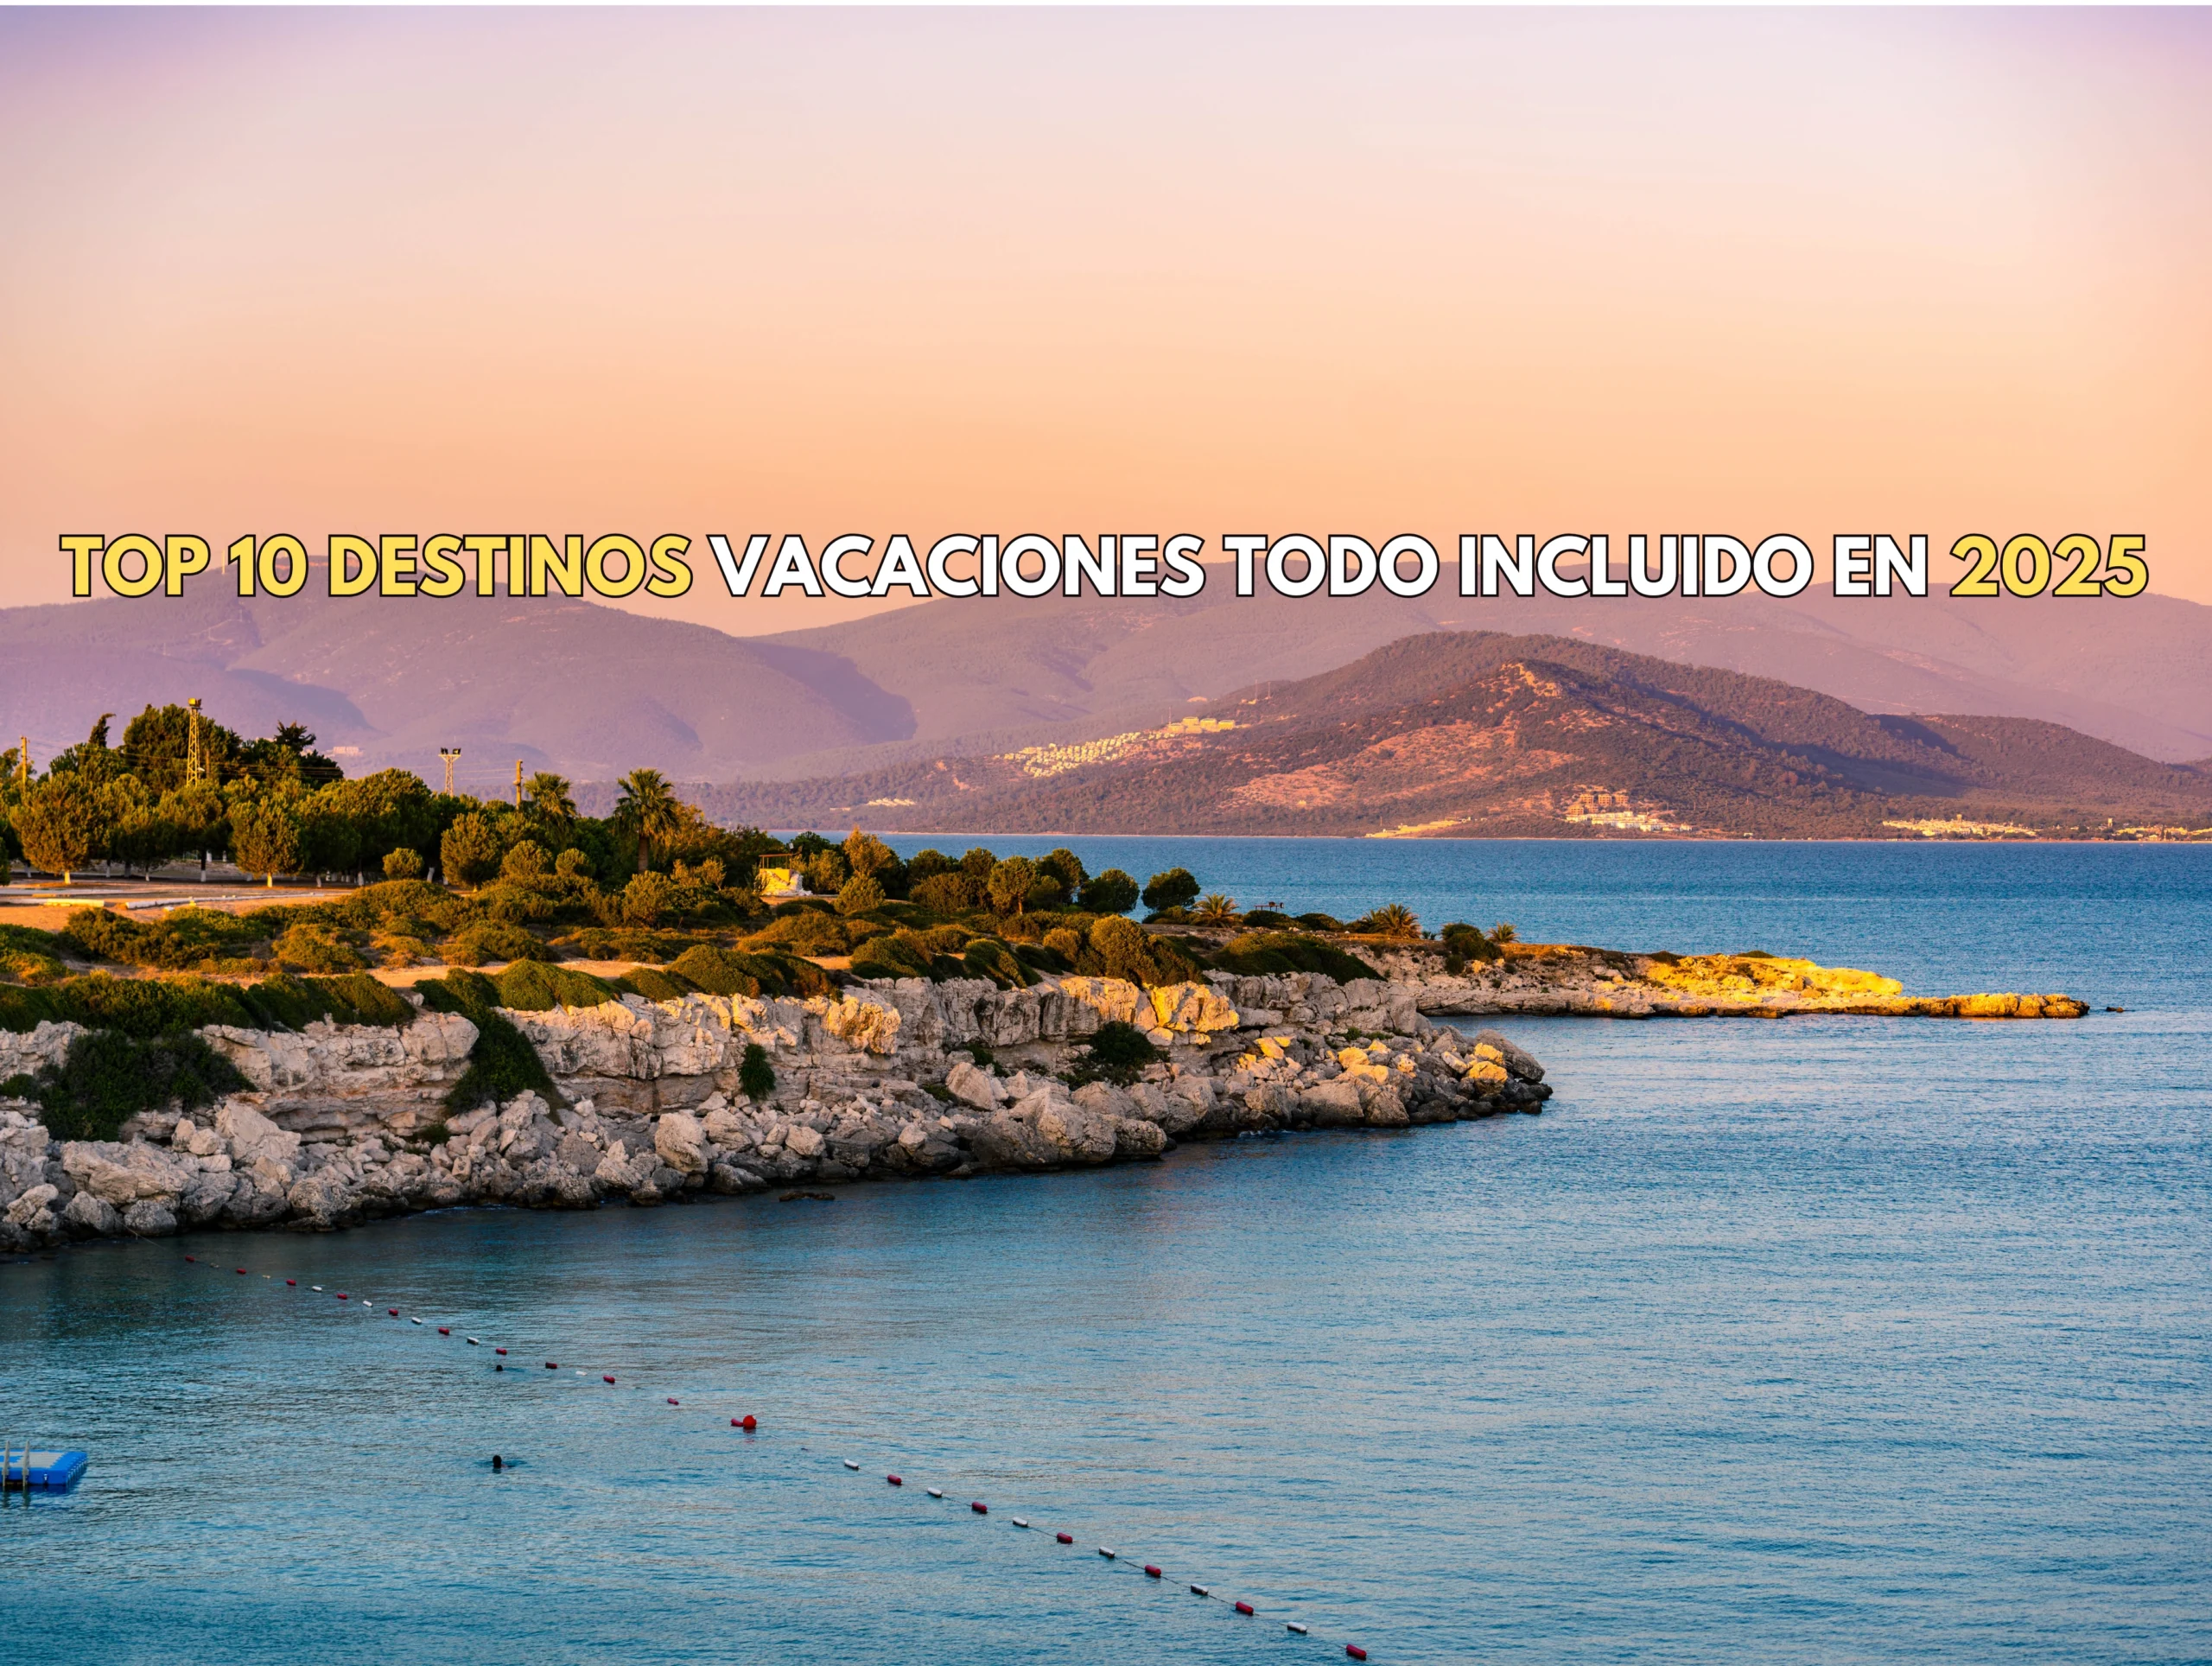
{"x":194,"y":768}
{"x":518,"y":784}
{"x":448,"y":753}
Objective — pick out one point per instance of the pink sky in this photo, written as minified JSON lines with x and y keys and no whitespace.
{"x":692,"y":270}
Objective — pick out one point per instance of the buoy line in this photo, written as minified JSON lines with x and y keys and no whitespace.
{"x":748,"y":1422}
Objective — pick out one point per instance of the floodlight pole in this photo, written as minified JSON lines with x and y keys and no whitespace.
{"x":448,"y":753}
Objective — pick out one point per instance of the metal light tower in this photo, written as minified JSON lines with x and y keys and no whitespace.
{"x":518,"y":784}
{"x":449,"y":754}
{"x":196,"y":768}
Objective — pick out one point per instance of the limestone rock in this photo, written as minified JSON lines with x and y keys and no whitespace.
{"x":251,"y":1135}
{"x":124,"y":1174}
{"x":973,"y":1085}
{"x":871,"y":1026}
{"x":93,"y":1215}
{"x":1135,"y":1140}
{"x":1516,"y":1062}
{"x":148,"y":1218}
{"x":32,"y":1205}
{"x":682,"y":1142}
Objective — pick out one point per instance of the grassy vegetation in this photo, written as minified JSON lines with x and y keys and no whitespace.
{"x":1118,"y":1052}
{"x":107,"y":1077}
{"x":146,"y":1007}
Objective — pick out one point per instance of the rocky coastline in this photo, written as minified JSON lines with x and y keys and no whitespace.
{"x":1568,"y":980}
{"x":909,"y":1078}
{"x":905,"y":1078}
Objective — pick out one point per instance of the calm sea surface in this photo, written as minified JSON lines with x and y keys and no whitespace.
{"x":1829,"y":1340}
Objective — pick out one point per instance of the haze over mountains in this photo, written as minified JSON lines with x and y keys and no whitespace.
{"x":593,"y":691}
{"x":1461,"y":733}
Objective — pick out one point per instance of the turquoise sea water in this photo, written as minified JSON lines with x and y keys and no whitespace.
{"x":1829,"y":1340}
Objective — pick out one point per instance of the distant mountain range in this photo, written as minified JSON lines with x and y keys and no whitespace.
{"x":1462,"y":733}
{"x":593,"y":691}
{"x":589,"y":691}
{"x":980,"y":674}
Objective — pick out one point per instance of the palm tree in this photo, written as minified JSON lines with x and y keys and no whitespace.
{"x":1394,"y":920}
{"x":646,"y":804}
{"x":549,"y":797}
{"x":1215,"y":909}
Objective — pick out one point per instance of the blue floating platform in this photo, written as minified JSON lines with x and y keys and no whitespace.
{"x":49,"y":1471}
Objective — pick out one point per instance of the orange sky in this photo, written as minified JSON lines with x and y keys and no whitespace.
{"x":694,"y":270}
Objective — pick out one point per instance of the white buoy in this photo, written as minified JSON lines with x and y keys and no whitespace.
{"x":849,"y":1464}
{"x":1296,"y":1627}
{"x":1019,"y":1521}
{"x":937,"y":1492}
{"x":1104,"y":1552}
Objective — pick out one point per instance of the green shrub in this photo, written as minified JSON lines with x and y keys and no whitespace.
{"x":895,"y":954}
{"x":23,"y":1010}
{"x":108,"y":1076}
{"x":1321,"y":922}
{"x":309,"y":948}
{"x":285,"y":1002}
{"x":29,"y":955}
{"x":1041,"y":957}
{"x":860,"y":894}
{"x":146,"y":1007}
{"x":188,"y":939}
{"x":1118,"y":1052}
{"x":989,"y":957}
{"x":756,"y":1077}
{"x":502,"y":1063}
{"x":403,"y":864}
{"x":19,"y":1086}
{"x":654,"y":985}
{"x":1464,"y":942}
{"x":718,"y":972}
{"x":602,"y":943}
{"x":537,"y":986}
{"x":1262,"y":953}
{"x":805,"y":933}
{"x":489,"y":940}
{"x":647,"y":899}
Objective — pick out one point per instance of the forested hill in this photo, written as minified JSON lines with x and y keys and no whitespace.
{"x":1467,"y":734}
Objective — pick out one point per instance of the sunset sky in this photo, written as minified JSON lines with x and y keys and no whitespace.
{"x":1131,"y":271}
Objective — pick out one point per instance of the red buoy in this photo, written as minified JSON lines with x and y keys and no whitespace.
{"x":1355,"y":1651}
{"x":671,"y":1401}
{"x":499,"y":1351}
{"x":341,"y":1295}
{"x":894,"y":1480}
{"x":609,"y":1379}
{"x":394,"y":1312}
{"x":241,"y":1272}
{"x":291,"y":1281}
{"x":1150,"y":1571}
{"x":1065,"y":1538}
{"x":192,"y":1258}
{"x":445,"y":1330}
{"x":749,"y":1422}
{"x":552,"y":1365}
{"x":981,"y":1509}
{"x":1244,"y":1607}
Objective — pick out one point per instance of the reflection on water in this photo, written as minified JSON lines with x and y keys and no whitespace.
{"x":1825,"y":1340}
